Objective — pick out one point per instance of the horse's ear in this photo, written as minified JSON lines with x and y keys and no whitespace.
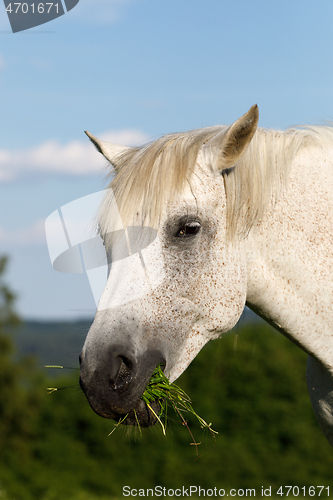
{"x":233,"y":143}
{"x":109,"y":150}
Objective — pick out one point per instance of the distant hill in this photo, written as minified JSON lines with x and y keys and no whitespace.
{"x":53,"y":343}
{"x":60,"y":343}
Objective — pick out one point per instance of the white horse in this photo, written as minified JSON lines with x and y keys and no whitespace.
{"x":243,"y":216}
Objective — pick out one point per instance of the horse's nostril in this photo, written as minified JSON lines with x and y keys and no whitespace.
{"x":124,"y":375}
{"x":126,"y":361}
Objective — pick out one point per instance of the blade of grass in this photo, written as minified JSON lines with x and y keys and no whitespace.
{"x":118,"y":423}
{"x":158,"y":418}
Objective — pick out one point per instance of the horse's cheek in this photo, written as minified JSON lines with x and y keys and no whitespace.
{"x":222,"y":294}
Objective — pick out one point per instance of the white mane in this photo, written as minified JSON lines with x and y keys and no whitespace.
{"x":148,"y":177}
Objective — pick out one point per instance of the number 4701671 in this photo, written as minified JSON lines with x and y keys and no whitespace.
{"x":40,"y":8}
{"x":310,"y":491}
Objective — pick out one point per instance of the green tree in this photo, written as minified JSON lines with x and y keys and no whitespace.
{"x":18,"y":396}
{"x":8,"y":371}
{"x":8,"y":316}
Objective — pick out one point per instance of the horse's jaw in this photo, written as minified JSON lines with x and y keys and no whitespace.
{"x":126,"y":343}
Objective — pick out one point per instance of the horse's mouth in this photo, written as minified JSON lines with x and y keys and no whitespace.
{"x":141,"y":415}
{"x":115,"y":383}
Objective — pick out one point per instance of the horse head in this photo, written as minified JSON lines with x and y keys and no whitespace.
{"x":166,"y":300}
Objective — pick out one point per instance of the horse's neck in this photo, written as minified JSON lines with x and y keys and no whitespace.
{"x":290,"y":258}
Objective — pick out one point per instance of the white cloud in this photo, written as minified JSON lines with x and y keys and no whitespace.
{"x":74,"y":158}
{"x":31,"y":235}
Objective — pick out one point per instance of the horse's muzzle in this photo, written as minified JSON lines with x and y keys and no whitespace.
{"x":114,"y":380}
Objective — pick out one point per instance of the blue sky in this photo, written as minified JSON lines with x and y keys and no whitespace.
{"x":130,"y":71}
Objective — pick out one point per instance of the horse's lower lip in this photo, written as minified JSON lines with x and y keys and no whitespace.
{"x":142,"y":415}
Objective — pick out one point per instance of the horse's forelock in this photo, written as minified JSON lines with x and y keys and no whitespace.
{"x":147,"y":178}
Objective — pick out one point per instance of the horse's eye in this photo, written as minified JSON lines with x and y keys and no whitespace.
{"x":188,"y":229}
